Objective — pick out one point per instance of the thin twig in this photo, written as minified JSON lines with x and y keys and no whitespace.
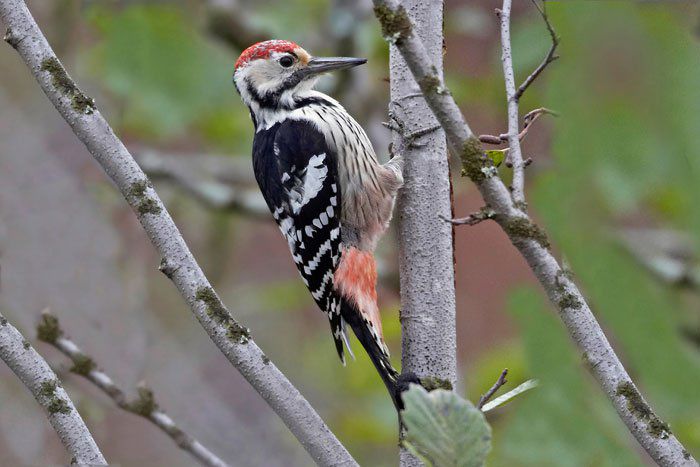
{"x":531,"y":241}
{"x":491,"y":139}
{"x":529,"y":118}
{"x":144,"y":404}
{"x":496,"y":386}
{"x":177,"y":262}
{"x":474,"y":218}
{"x":40,"y":379}
{"x":408,"y":137}
{"x":549,"y":58}
{"x":515,"y":157}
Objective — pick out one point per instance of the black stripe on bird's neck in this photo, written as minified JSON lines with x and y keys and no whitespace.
{"x":273,"y":99}
{"x":269,"y":100}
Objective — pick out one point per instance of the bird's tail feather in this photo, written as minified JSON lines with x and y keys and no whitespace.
{"x":374,"y":347}
{"x":340,"y":336}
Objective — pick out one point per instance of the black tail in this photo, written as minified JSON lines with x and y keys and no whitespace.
{"x":368,"y":337}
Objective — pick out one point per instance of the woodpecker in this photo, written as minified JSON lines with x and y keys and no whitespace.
{"x":322,"y":182}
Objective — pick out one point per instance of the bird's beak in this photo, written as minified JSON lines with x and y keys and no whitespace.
{"x":319,"y":65}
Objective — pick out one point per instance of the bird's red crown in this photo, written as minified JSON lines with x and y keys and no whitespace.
{"x":263,"y":50}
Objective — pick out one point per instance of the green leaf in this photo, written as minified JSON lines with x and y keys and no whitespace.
{"x":444,"y":429}
{"x":500,"y":400}
{"x":497,"y":156}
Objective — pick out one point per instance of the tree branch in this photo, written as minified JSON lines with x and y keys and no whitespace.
{"x":474,"y":218}
{"x":652,"y":433}
{"x":515,"y":156}
{"x":427,"y":284}
{"x":549,"y":58}
{"x":177,"y":261}
{"x":144,"y":405}
{"x":529,"y":118}
{"x":496,"y":386}
{"x":38,"y":377}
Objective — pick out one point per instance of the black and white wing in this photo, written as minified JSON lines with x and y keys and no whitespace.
{"x":298,"y":175}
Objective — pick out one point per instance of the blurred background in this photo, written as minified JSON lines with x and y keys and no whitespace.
{"x":615,"y":180}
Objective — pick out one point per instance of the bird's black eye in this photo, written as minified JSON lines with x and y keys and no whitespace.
{"x":286,"y":61}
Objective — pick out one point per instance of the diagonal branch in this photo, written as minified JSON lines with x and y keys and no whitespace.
{"x":549,"y":58}
{"x":144,"y":405}
{"x":40,"y":379}
{"x":177,"y":261}
{"x":531,"y":240}
{"x":496,"y":386}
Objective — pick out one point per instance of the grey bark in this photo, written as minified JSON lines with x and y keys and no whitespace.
{"x":40,"y":379}
{"x":425,"y":240}
{"x":144,"y":405}
{"x":177,"y":263}
{"x":649,"y":430}
{"x":515,"y":154}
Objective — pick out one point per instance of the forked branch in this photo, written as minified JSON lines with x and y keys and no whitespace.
{"x":532,"y":242}
{"x":144,"y":404}
{"x":549,"y":58}
{"x":42,"y":382}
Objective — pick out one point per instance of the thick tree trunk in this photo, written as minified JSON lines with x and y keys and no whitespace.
{"x":425,"y":239}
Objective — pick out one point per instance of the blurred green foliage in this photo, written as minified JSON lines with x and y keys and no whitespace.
{"x":625,"y":150}
{"x":622,"y":150}
{"x":170,"y":80}
{"x":565,"y":421}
